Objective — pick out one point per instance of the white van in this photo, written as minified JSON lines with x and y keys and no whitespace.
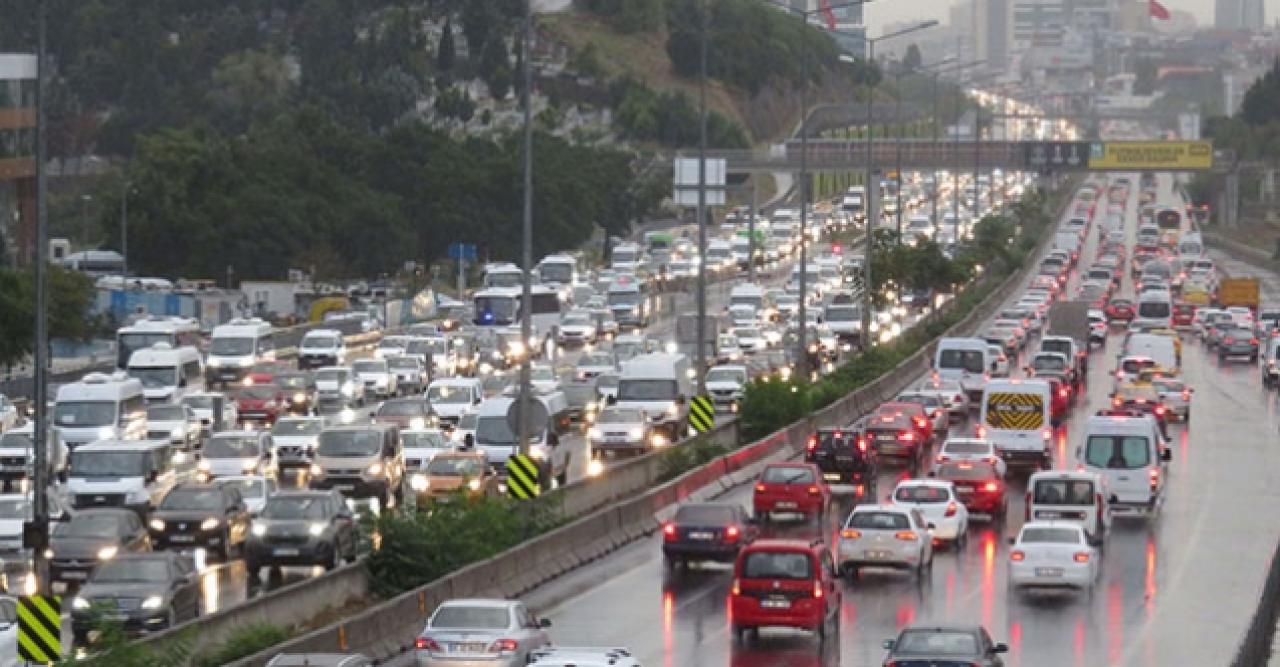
{"x":502,"y":274}
{"x":626,"y":257}
{"x":1190,"y":246}
{"x":122,"y":473}
{"x":167,"y":373}
{"x":1155,"y":308}
{"x":450,"y":398}
{"x":747,"y":294}
{"x":17,"y":453}
{"x":1160,"y":348}
{"x":101,"y":407}
{"x":1016,"y":417}
{"x":494,"y":437}
{"x":322,"y":347}
{"x":967,"y":361}
{"x":1130,"y":454}
{"x":236,"y":346}
{"x":558,"y":270}
{"x":659,"y":384}
{"x":1072,"y":496}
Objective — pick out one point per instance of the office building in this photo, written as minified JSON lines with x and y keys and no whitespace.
{"x":17,"y":154}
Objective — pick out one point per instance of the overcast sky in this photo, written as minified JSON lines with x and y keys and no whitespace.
{"x":880,"y":12}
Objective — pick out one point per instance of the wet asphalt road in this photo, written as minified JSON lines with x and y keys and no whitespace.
{"x":1176,"y":590}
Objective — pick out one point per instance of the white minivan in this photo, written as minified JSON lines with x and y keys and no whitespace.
{"x":967,"y":361}
{"x":236,"y":346}
{"x":101,"y":407}
{"x":1130,"y":454}
{"x":1074,"y":496}
{"x":167,"y":373}
{"x":1016,"y":417}
{"x":120,"y":473}
{"x":1155,"y":308}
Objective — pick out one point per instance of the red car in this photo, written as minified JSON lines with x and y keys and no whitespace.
{"x":919,"y":416}
{"x":791,"y":488}
{"x":1183,"y":314}
{"x":784,"y":584}
{"x":1120,"y":310}
{"x":263,"y":402}
{"x":978,"y":486}
{"x":1060,"y":407}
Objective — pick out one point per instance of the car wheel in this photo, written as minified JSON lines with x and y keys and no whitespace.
{"x":252,"y":567}
{"x":331,"y":559}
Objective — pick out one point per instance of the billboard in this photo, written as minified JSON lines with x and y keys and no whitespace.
{"x":1151,"y":155}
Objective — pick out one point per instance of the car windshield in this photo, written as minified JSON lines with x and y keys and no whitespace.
{"x":370,"y":367}
{"x":402,"y":363}
{"x":430,"y":440}
{"x":966,"y":360}
{"x":407,"y":408}
{"x":577,"y":319}
{"x":596,"y":360}
{"x":198,"y":402}
{"x":726,"y":375}
{"x":471,"y":617}
{"x":192,"y":499}
{"x":232,"y":447}
{"x":1049,"y":363}
{"x":15,"y":508}
{"x":249,"y":488}
{"x":787,"y":475}
{"x":879,"y":521}
{"x":621,"y":416}
{"x":647,"y":390}
{"x":80,"y":414}
{"x":88,"y":526}
{"x":494,"y":431}
{"x":542,"y":374}
{"x":320,"y":340}
{"x":446,"y":394}
{"x":921,"y":494}
{"x":1117,"y":452}
{"x":349,"y":443}
{"x":331,"y":375}
{"x":154,"y":377}
{"x":109,"y":464}
{"x":843,"y":314}
{"x":288,"y":427}
{"x":706,"y":514}
{"x":231,"y":347}
{"x":166,"y":413}
{"x":295,"y":507}
{"x":132,"y":570}
{"x":260,"y":393}
{"x":607,"y":381}
{"x":454,"y":466}
{"x":777,"y":565}
{"x":935,"y":642}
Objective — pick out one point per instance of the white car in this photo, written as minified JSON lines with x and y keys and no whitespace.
{"x":376,"y":376}
{"x":592,"y":364}
{"x":743,"y":315}
{"x":494,"y":633}
{"x":9,"y":632}
{"x":951,"y":393}
{"x":543,"y":377}
{"x":1175,"y":395}
{"x":725,"y":384}
{"x":999,"y":361}
{"x":727,"y":348}
{"x":750,"y":339}
{"x":938,"y":503}
{"x":1048,"y":554}
{"x":577,"y":327}
{"x":9,"y":416}
{"x":1098,"y":327}
{"x":620,"y":429}
{"x":877,"y":536}
{"x":254,"y":489}
{"x":583,"y":656}
{"x":971,"y":449}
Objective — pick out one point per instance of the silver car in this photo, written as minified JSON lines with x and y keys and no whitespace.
{"x":884,"y":536}
{"x":480,"y":633}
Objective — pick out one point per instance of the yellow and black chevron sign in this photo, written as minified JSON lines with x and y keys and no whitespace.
{"x":40,"y":629}
{"x":522,"y":477}
{"x":1015,"y":411}
{"x":702,"y":414}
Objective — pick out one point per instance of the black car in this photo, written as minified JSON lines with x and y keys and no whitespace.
{"x":300,"y":391}
{"x":706,"y":532}
{"x":201,"y":515}
{"x":954,"y":645}
{"x":302,"y":528}
{"x":91,"y":536}
{"x":143,"y":592}
{"x":845,"y":457}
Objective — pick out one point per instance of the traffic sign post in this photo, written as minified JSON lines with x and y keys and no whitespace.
{"x":702,"y":414}
{"x":522,"y":477}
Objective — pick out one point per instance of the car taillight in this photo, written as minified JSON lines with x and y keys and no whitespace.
{"x":943,"y":458}
{"x":991,"y":487}
{"x":813,"y":490}
{"x":850,"y":534}
{"x":426,"y":644}
{"x":812,"y":444}
{"x":1062,"y":393}
{"x":1081,"y":557}
{"x":737,"y":586}
{"x":1228,"y":340}
{"x":959,"y":398}
{"x":981,"y":431}
{"x":918,"y":421}
{"x":1253,"y":341}
{"x":1047,"y":434}
{"x":760,"y":488}
{"x":817,"y":588}
{"x":951,"y":509}
{"x":1155,"y":476}
{"x":906,"y":535}
{"x":731,"y":534}
{"x":504,"y":646}
{"x":906,"y":436}
{"x":1160,"y":410}
{"x":1186,"y":395}
{"x":1026,"y":508}
{"x":668,"y":531}
{"x":1017,"y":556}
{"x":862,"y":445}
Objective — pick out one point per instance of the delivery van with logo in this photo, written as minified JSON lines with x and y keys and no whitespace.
{"x":1016,"y":418}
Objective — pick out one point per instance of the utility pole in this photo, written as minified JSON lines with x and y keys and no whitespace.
{"x":897,"y":120}
{"x":526,"y":287}
{"x":40,"y":490}
{"x":751,"y":235}
{"x":802,"y":333}
{"x":873,"y":211}
{"x":700,"y":356}
{"x":124,"y":227}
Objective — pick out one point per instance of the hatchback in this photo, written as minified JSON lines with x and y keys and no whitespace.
{"x":784,"y":583}
{"x":796,"y":488}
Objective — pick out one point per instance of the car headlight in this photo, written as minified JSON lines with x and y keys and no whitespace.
{"x":107,"y":553}
{"x":209,"y":524}
{"x":658,"y":440}
{"x":417,"y":423}
{"x":249,"y":465}
{"x":348,"y":388}
{"x":153,"y":602}
{"x":258,"y":530}
{"x":635,"y":433}
{"x":248,"y":382}
{"x":157,"y":524}
{"x":419,"y":483}
{"x":374,"y":469}
{"x":106,"y":432}
{"x":79,"y":603}
{"x":203,"y":465}
{"x":177,"y":432}
{"x":316,"y":529}
{"x":316,"y":470}
{"x":538,"y":452}
{"x":213,"y":363}
{"x":673,"y":410}
{"x":474,"y":485}
{"x":593,"y":433}
{"x":48,"y":553}
{"x":299,"y":397}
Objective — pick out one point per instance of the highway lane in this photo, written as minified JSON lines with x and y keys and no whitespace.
{"x":1178,"y":590}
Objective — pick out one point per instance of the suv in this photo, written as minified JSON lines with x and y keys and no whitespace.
{"x":195,"y":515}
{"x":844,"y":457}
{"x":784,"y":583}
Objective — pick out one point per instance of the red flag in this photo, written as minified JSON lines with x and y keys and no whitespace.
{"x":829,"y":15}
{"x":1157,"y":10}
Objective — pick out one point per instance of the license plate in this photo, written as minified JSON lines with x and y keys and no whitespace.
{"x":186,"y":539}
{"x":345,"y":487}
{"x":1048,"y":572}
{"x":700,"y":535}
{"x":876,"y":555}
{"x":285,"y":552}
{"x":467,"y":647}
{"x":1047,"y":515}
{"x":75,"y":574}
{"x":775,"y":603}
{"x":831,"y":476}
{"x":890,"y":437}
{"x":964,"y":489}
{"x":785,"y":505}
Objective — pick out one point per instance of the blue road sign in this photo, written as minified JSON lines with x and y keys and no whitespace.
{"x":465,"y":251}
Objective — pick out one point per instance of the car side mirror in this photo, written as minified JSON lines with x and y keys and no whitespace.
{"x":1000,"y":648}
{"x":889,"y":644}
{"x":1113,"y":500}
{"x":611,"y":400}
{"x":373,"y":415}
{"x":152,"y":476}
{"x":1166,"y":455}
{"x":544,"y":623}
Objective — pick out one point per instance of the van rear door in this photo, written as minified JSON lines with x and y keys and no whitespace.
{"x":1129,"y":462}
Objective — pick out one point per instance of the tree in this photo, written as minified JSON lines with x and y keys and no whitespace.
{"x":1261,"y":103}
{"x":70,"y":294}
{"x":912,"y":60}
{"x":446,"y":52}
{"x":586,"y":61}
{"x":495,"y":68}
{"x":455,"y":103}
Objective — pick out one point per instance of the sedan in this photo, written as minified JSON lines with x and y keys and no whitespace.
{"x":448,"y":474}
{"x":706,"y":532}
{"x":147,"y":592}
{"x":196,"y":515}
{"x":376,"y":377}
{"x":884,"y":536}
{"x":950,"y":645}
{"x":971,"y":449}
{"x":90,"y":537}
{"x":1049,"y":554}
{"x":302,"y":528}
{"x":497,"y":633}
{"x":407,"y":413}
{"x":938,"y":502}
{"x":593,"y":364}
{"x":577,"y":328}
{"x":978,"y":485}
{"x":261,"y":403}
{"x":173,"y":422}
{"x":1238,"y":341}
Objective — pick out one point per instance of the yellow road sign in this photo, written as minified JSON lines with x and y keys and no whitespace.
{"x":522,"y":477}
{"x":1151,"y":155}
{"x":1015,"y":411}
{"x":702,"y":414}
{"x":40,"y":629}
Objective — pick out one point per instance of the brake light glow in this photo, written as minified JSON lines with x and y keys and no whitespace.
{"x":1186,"y":394}
{"x":990,"y":487}
{"x":426,"y":644}
{"x":943,"y":458}
{"x":1160,"y":410}
{"x":1047,"y":434}
{"x":850,"y":534}
{"x":951,"y":509}
{"x":737,"y":586}
{"x":1253,"y":341}
{"x":1081,"y":557}
{"x":1228,"y":340}
{"x":504,"y":646}
{"x":731,"y":534}
{"x":817,"y":588}
{"x":1155,"y":476}
{"x":760,"y":488}
{"x":812,"y":443}
{"x":1017,"y":556}
{"x":813,"y":490}
{"x":905,"y":535}
{"x":906,"y":436}
{"x":862,"y":445}
{"x":1062,"y":393}
{"x":669,"y":531}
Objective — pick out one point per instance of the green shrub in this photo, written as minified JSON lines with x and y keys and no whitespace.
{"x":679,"y":460}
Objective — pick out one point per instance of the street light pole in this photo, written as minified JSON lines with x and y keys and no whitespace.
{"x":897,"y":121}
{"x":40,"y":498}
{"x":124,"y":228}
{"x":526,"y":287}
{"x":700,"y":356}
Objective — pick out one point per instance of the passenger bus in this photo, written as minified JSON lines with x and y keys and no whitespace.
{"x":1172,"y":223}
{"x":500,"y":307}
{"x":176,"y":331}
